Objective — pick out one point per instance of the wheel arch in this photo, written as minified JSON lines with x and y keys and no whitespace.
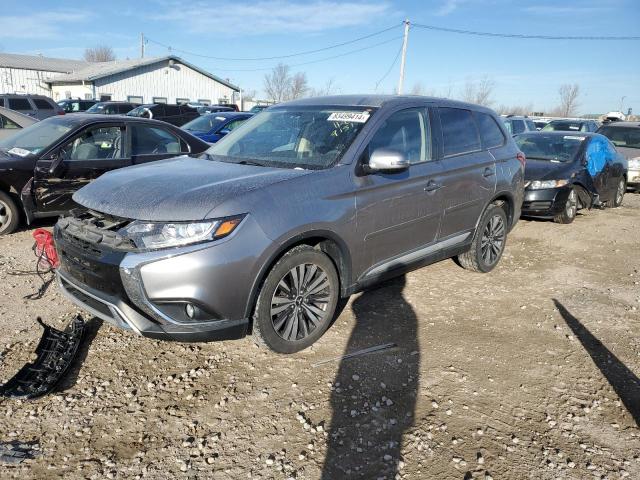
{"x":326,"y":241}
{"x":507,"y":202}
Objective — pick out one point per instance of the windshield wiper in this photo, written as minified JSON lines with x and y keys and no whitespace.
{"x":249,"y":162}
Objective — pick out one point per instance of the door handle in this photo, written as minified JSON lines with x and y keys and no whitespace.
{"x":432,"y":186}
{"x":488,"y":172}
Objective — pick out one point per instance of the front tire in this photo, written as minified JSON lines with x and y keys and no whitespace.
{"x":620,"y":191}
{"x":570,"y":210}
{"x":297,"y":301}
{"x":488,"y":242}
{"x":9,"y":214}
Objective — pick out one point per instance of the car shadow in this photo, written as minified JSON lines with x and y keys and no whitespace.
{"x":624,"y":382}
{"x":91,"y":328}
{"x":373,"y":396}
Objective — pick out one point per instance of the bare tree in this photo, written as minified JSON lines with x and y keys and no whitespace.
{"x":99,"y":53}
{"x":514,"y":109}
{"x":479,"y":92}
{"x":277,"y":84}
{"x":299,"y":86}
{"x":329,"y":88}
{"x":417,"y":89}
{"x":569,"y":99}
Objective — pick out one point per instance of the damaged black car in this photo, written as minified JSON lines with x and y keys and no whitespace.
{"x":45,"y":164}
{"x":566,"y":172}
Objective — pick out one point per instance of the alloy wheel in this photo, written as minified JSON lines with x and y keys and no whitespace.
{"x":571,"y":208}
{"x":300,"y":302}
{"x":5,"y":214}
{"x":620,"y":191}
{"x":493,"y":238}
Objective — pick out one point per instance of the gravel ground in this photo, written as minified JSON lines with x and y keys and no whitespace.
{"x":528,"y":372}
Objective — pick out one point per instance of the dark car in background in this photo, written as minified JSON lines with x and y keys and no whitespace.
{"x":571,"y":126}
{"x":306,"y":203}
{"x":212,"y":127}
{"x":71,"y":105}
{"x":36,"y":106}
{"x":43,"y":165}
{"x":176,"y":115}
{"x":213,"y":109}
{"x":112,"y":108}
{"x":258,"y":108}
{"x":11,"y":122}
{"x":626,"y":137}
{"x":566,"y":172}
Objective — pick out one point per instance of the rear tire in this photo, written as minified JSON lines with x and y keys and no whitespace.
{"x":620,"y":191}
{"x":488,"y":242}
{"x":9,"y":214}
{"x":297,"y":301}
{"x":570,"y":211}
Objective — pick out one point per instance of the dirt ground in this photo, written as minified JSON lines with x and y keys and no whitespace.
{"x":530,"y":371}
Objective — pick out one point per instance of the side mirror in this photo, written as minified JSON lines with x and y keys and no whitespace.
{"x":382,"y":160}
{"x":55,"y":163}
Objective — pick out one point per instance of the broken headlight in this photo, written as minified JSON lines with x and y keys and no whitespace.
{"x":154,"y":235}
{"x":542,"y":184}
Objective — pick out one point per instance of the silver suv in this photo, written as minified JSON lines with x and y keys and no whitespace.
{"x":304,"y":204}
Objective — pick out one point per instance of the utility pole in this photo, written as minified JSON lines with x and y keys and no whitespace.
{"x":141,"y":45}
{"x":404,"y":55}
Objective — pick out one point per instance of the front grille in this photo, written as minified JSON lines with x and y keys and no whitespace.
{"x":90,"y":231}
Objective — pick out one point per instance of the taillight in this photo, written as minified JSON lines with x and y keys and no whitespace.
{"x":522,"y":159}
{"x":60,"y":112}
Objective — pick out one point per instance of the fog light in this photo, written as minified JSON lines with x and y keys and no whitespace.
{"x":190,"y":309}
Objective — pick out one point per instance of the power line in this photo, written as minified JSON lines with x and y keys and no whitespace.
{"x":297,"y":54}
{"x":351,"y":52}
{"x":395,"y":60}
{"x":523,"y":36}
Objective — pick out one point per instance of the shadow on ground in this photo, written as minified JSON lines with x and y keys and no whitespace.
{"x":374,"y":396}
{"x":90,"y":331}
{"x":625,"y":383}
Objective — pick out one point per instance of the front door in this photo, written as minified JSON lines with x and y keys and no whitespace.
{"x":94,"y":151}
{"x":152,"y":142}
{"x":397,"y":213}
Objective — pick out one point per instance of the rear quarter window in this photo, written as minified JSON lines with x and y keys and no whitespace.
{"x":42,"y":104}
{"x":459,"y":132}
{"x":490,"y":132}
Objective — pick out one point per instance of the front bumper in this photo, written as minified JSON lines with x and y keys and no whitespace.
{"x":147,"y":291}
{"x":545,"y":203}
{"x":633,"y":177}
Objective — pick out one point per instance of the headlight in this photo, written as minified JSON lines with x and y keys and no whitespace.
{"x":541,"y":184}
{"x":153,"y":235}
{"x":634,"y":164}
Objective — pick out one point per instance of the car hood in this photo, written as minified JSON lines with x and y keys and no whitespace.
{"x":546,"y":170}
{"x":13,"y":162}
{"x":179,"y":189}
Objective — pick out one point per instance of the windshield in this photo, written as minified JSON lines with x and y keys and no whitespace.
{"x":304,"y":137}
{"x":622,"y":136}
{"x":562,"y":126}
{"x":36,"y":138}
{"x":555,"y":148}
{"x":204,"y":124}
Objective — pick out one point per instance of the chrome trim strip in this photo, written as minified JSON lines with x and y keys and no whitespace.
{"x":113,"y":308}
{"x":416,"y":255}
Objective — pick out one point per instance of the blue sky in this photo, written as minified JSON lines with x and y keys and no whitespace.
{"x":524,"y":71}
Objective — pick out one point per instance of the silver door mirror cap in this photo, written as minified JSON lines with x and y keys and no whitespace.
{"x":383,"y":159}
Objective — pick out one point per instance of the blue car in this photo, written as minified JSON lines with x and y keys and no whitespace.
{"x":211,"y":127}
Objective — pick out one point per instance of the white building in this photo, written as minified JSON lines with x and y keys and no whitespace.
{"x":166,"y":79}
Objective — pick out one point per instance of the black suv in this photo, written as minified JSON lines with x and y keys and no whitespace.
{"x":112,"y":108}
{"x":43,"y":165}
{"x":176,"y":115}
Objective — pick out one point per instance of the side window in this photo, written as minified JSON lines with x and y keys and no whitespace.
{"x":42,"y":104}
{"x":147,"y":140}
{"x":7,"y":123}
{"x":19,"y":104}
{"x":459,"y":132}
{"x":234,"y":124}
{"x":490,"y":132}
{"x":1,"y":102}
{"x":531,"y":126}
{"x":408,"y":132}
{"x":518,"y":126}
{"x":507,"y":125}
{"x":97,"y":143}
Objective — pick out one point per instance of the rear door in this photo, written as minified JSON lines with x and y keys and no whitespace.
{"x":153,"y":142}
{"x":469,"y":172}
{"x":94,"y":150}
{"x":398,"y":213}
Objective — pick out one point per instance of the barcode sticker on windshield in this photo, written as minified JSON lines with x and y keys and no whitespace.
{"x":354,"y":117}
